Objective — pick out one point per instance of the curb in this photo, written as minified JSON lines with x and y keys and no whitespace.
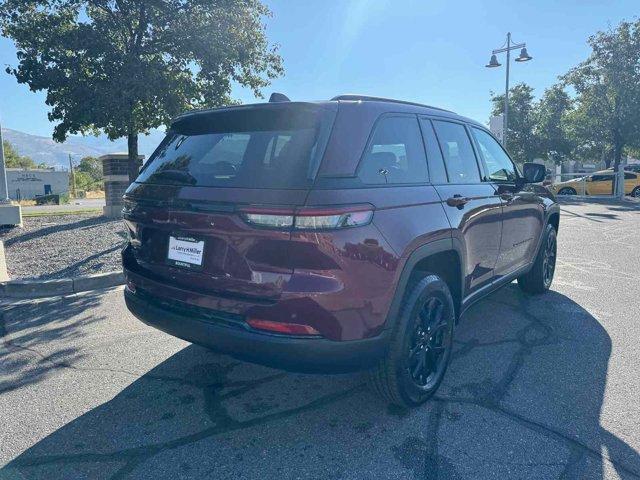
{"x":63,"y":286}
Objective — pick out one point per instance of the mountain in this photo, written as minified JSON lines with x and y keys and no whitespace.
{"x":53,"y":154}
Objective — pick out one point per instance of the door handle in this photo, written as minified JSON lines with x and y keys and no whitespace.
{"x":457,"y":201}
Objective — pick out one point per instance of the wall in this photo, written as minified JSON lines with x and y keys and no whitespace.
{"x":31,"y":182}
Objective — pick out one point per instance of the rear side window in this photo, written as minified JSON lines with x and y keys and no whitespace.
{"x":395,"y":153}
{"x":459,"y":157}
{"x":500,"y":168}
{"x":630,"y":176}
{"x":247,"y":148}
{"x":602,"y":178}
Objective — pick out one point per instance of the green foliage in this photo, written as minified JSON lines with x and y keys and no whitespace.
{"x":601,"y":117}
{"x":126,"y":66}
{"x":92,"y":167}
{"x":88,"y":175}
{"x":85,"y":182}
{"x":607,"y":86}
{"x":521,"y":142}
{"x":14,"y":160}
{"x":552,"y":123}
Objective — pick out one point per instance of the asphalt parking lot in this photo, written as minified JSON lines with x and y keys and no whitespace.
{"x":539,"y":387}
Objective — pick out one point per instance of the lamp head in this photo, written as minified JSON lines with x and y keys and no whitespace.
{"x":524,"y":56}
{"x":493,"y":62}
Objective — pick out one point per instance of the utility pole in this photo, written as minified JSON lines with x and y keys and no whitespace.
{"x":73,"y":177}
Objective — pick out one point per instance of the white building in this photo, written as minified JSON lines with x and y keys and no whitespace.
{"x":28,"y":184}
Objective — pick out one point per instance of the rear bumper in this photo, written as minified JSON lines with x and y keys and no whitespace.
{"x":236,"y":338}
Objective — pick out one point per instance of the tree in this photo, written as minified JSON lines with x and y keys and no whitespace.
{"x":551,"y":124}
{"x":607,"y":86}
{"x":88,"y":174}
{"x":522,"y":143}
{"x":92,"y":167}
{"x":126,"y":66}
{"x":14,"y":160}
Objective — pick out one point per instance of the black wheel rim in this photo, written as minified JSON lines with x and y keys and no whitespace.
{"x":430,"y":344}
{"x":549,"y":260}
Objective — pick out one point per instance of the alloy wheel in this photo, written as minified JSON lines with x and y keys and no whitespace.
{"x":549,"y":260}
{"x":430,"y":344}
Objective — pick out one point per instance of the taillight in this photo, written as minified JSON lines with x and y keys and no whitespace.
{"x":309,"y":218}
{"x":281,"y":327}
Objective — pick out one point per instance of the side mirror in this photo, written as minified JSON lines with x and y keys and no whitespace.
{"x":534,"y":172}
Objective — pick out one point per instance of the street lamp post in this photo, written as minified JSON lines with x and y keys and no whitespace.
{"x":524,"y":57}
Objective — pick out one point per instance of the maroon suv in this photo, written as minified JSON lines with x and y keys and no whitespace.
{"x":332,"y":236}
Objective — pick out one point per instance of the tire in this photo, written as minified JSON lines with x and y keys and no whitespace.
{"x":567,"y":191}
{"x":635,"y":192}
{"x":539,"y":278}
{"x":422,"y":341}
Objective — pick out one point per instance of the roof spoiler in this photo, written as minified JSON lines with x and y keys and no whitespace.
{"x":278,"y":97}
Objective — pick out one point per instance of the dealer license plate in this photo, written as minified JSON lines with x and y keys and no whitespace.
{"x":185,"y":252}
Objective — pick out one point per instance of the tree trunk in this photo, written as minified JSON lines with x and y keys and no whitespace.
{"x":134,"y":164}
{"x":606,"y":158}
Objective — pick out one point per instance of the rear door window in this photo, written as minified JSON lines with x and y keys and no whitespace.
{"x":395,"y":154}
{"x":457,"y":151}
{"x":276,"y":147}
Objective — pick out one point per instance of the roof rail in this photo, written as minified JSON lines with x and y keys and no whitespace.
{"x":368,"y":98}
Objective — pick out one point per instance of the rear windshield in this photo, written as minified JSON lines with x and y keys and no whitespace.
{"x":263,"y":147}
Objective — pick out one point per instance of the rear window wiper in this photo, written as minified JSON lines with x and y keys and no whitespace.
{"x":176,"y":175}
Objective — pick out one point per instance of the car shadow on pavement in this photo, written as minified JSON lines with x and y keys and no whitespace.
{"x":75,"y":269}
{"x":64,"y":318}
{"x":522,"y":398}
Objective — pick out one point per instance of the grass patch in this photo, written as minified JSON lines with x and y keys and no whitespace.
{"x":50,"y":213}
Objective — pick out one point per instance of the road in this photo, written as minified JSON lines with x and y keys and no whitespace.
{"x":540,"y":387}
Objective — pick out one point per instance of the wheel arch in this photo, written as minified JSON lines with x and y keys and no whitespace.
{"x":442,"y":257}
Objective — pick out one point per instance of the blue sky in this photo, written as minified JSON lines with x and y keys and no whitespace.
{"x":430,"y":51}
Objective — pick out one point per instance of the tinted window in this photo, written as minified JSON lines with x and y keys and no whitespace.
{"x":395,"y":153}
{"x":261,"y":148}
{"x":458,"y":153}
{"x":630,"y":176}
{"x":437,"y":172}
{"x":500,"y":168}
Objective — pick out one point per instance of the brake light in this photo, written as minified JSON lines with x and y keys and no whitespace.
{"x":280,"y":327}
{"x":309,"y":218}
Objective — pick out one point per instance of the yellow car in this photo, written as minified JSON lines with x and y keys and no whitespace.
{"x":598,"y":183}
